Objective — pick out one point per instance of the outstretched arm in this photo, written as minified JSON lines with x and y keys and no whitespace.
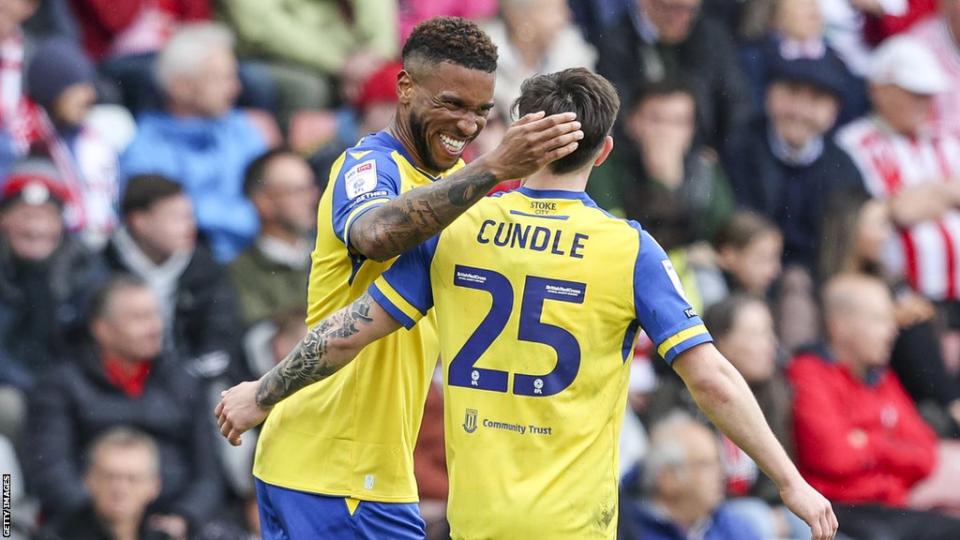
{"x":530,"y":143}
{"x":721,"y":392}
{"x":326,"y":348}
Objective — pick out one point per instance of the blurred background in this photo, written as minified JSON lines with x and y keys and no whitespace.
{"x":161,"y":163}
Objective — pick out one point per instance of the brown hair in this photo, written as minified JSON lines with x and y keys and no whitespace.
{"x":577,"y":90}
{"x":743,"y":228}
{"x":145,"y":190}
{"x":721,"y":317}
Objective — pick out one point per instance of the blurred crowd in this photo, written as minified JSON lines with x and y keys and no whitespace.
{"x":161,"y":163}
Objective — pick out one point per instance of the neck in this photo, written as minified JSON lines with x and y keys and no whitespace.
{"x":544,"y":179}
{"x":279,"y":232}
{"x":848,"y":358}
{"x":125,"y":361}
{"x":156,"y":256}
{"x":680,"y":511}
{"x":125,"y":529}
{"x":181,"y":110}
{"x":400,"y":128}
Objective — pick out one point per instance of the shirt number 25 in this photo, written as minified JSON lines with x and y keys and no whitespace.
{"x":536,"y":290}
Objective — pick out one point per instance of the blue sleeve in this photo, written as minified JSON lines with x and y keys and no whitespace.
{"x":661,"y":305}
{"x":366,"y":179}
{"x":404,"y":290}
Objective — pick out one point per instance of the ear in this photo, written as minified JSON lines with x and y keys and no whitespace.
{"x":604,"y":151}
{"x":98,"y":328}
{"x":405,"y":86}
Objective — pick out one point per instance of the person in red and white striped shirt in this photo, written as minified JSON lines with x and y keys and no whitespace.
{"x":917,"y":170}
{"x":941,"y":34}
{"x":12,"y":102}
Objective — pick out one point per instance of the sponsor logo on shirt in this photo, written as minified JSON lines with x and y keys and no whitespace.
{"x":361,"y":178}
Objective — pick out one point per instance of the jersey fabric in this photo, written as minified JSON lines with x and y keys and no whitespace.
{"x":354,"y":433}
{"x":538,"y":297}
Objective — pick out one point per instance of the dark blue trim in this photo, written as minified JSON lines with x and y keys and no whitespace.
{"x":555,"y":194}
{"x":686,"y":345}
{"x":386,"y":139}
{"x":524,"y":214}
{"x":390,"y":308}
{"x":628,"y":338}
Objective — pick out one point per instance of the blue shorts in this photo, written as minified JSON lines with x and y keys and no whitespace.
{"x":287,"y":514}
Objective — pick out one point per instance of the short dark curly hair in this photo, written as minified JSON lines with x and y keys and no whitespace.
{"x":451,"y":39}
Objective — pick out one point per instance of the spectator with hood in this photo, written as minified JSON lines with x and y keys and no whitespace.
{"x":61,"y":84}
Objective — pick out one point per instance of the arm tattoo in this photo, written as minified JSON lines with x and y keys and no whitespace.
{"x":309,"y":361}
{"x":415,"y":216}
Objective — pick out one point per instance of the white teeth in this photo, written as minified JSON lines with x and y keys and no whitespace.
{"x":453,"y":145}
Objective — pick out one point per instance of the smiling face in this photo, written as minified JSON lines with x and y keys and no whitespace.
{"x":444,"y":107}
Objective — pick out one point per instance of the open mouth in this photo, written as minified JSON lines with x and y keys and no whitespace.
{"x":451,"y":145}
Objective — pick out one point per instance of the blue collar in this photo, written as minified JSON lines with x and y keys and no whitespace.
{"x":555,"y":194}
{"x":386,"y":139}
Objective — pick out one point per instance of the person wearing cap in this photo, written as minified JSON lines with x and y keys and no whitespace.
{"x":903,"y":161}
{"x":797,"y":31}
{"x":785,"y":167}
{"x":60,"y":81}
{"x":45,"y":279}
{"x":941,"y":34}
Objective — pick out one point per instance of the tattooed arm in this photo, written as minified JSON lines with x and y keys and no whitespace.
{"x":326,"y":348}
{"x":529,"y":144}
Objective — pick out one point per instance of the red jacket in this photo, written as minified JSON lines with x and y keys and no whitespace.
{"x":101,"y":20}
{"x":829,"y":404}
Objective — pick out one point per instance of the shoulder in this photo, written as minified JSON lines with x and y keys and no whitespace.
{"x":809,"y":363}
{"x":857,"y":134}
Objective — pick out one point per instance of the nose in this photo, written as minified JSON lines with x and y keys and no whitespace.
{"x":468,"y":125}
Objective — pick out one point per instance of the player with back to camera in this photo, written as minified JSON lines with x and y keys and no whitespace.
{"x":538,"y":296}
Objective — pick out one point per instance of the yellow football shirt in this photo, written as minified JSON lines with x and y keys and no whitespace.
{"x":353,"y":434}
{"x":538,"y":296}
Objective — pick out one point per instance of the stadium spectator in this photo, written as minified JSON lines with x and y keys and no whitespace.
{"x":45,"y":280}
{"x":658,"y":176}
{"x":157,"y":243}
{"x":917,"y":171}
{"x":271,"y":275}
{"x":412,"y":12}
{"x":884,"y":19}
{"x":941,"y":35}
{"x":122,"y":378}
{"x":370,"y":112}
{"x":744,"y":331}
{"x":61,"y":85}
{"x":668,"y":38}
{"x":305,"y":44}
{"x":796,"y":32}
{"x":122,"y":475}
{"x":124,"y":37}
{"x":749,"y":248}
{"x":857,"y":229}
{"x":14,"y":45}
{"x":785,"y":167}
{"x":534,"y":36}
{"x":859,"y":438}
{"x":595,"y":17}
{"x":681,"y":493}
{"x":200,"y":139}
